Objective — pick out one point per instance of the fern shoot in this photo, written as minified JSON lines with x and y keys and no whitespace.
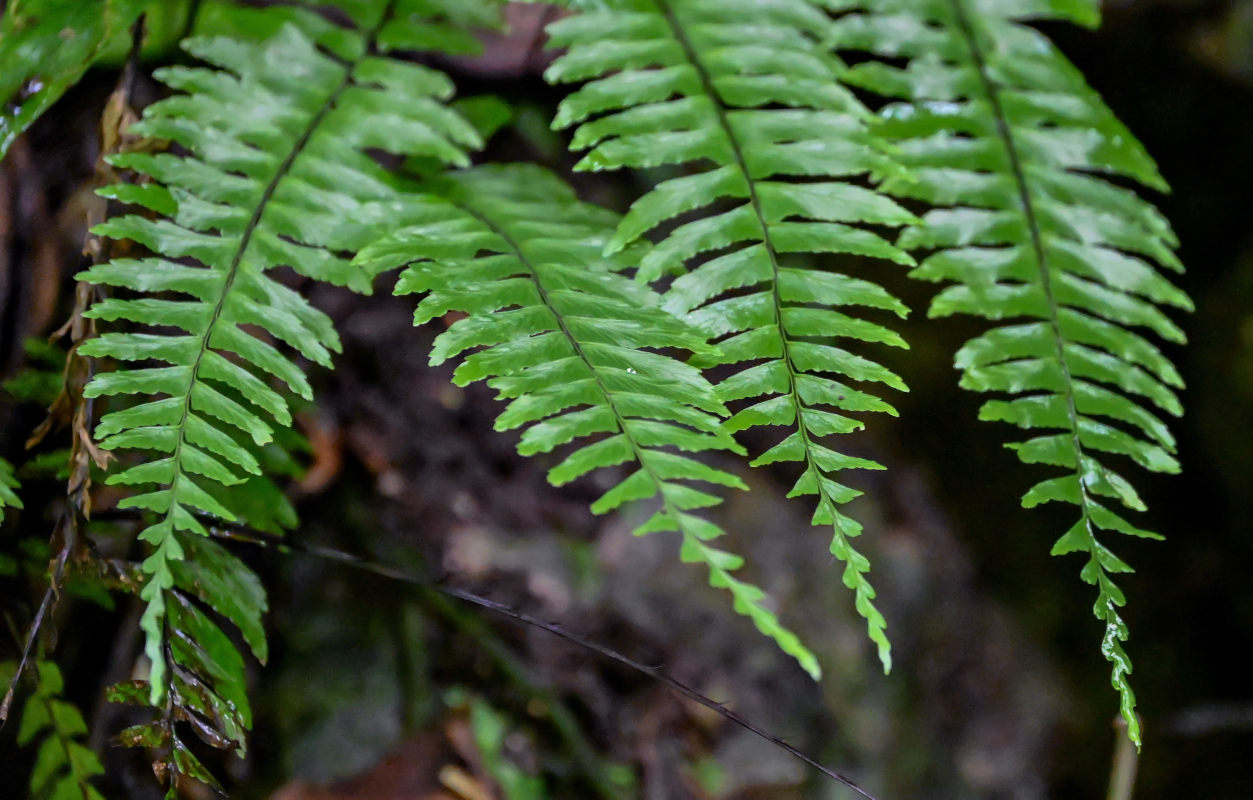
{"x":744,"y":97}
{"x":1004,"y":138}
{"x":570,"y":342}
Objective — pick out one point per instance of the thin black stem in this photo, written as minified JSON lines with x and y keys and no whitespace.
{"x":556,"y":629}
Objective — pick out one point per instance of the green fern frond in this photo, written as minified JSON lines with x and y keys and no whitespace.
{"x":64,"y":765}
{"x":8,"y":488}
{"x":276,"y":134}
{"x":1002,"y":134}
{"x":571,"y":343}
{"x":207,"y":685}
{"x":744,"y":97}
{"x":45,"y":47}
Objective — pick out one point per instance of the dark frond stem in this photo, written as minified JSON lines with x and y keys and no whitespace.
{"x":6,"y":705}
{"x":567,"y":726}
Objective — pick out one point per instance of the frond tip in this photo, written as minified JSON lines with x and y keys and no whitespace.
{"x":572,"y":344}
{"x":746,"y":110}
{"x":1001,"y":134}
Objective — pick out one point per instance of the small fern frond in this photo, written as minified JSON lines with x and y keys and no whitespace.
{"x":8,"y":488}
{"x":275,"y":133}
{"x":571,"y":343}
{"x":207,"y":686}
{"x":64,"y":765}
{"x":745,"y":98}
{"x":45,"y":47}
{"x":1002,"y":134}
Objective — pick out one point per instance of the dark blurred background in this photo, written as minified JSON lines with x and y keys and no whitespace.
{"x":999,"y":690}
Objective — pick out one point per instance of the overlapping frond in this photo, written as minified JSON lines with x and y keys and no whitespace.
{"x":8,"y":488}
{"x":45,"y":47}
{"x":1003,"y":136}
{"x":743,"y":96}
{"x":572,"y":344}
{"x":274,"y":134}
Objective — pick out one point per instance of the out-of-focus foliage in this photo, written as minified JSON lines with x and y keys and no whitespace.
{"x":64,"y":765}
{"x":45,"y":47}
{"x":8,"y":486}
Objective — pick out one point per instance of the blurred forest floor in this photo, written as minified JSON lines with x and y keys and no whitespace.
{"x":377,"y":691}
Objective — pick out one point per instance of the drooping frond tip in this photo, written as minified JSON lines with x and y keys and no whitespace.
{"x":572,"y":344}
{"x":1001,"y":135}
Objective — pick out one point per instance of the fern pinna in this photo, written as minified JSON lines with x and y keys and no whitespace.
{"x":1001,"y":133}
{"x":744,"y":96}
{"x":569,"y":341}
{"x":274,"y":164}
{"x":8,"y":488}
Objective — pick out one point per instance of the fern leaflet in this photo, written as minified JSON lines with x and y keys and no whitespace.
{"x":8,"y":488}
{"x":747,"y":88}
{"x":1002,"y":134}
{"x":569,"y":342}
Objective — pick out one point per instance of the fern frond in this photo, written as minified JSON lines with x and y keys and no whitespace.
{"x":64,"y":765}
{"x":571,"y":343}
{"x":1002,"y":134}
{"x":207,"y":685}
{"x":275,"y":133}
{"x":8,"y":488}
{"x":45,"y":47}
{"x":744,"y":97}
